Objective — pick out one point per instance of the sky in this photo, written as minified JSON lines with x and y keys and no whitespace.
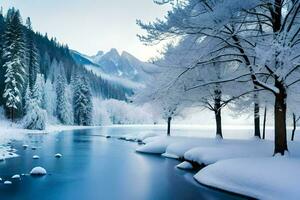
{"x":92,"y":25}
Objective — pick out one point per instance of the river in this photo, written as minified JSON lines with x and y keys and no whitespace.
{"x":94,"y":167}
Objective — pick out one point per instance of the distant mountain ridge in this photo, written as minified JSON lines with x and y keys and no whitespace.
{"x":124,"y":68}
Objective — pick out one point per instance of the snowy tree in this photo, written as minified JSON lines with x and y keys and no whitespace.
{"x":32,"y":55}
{"x":201,"y":86}
{"x":213,"y":19}
{"x":35,"y":117}
{"x":40,"y":86}
{"x":14,"y":64}
{"x":164,"y":97}
{"x":50,"y":99}
{"x":82,"y":101}
{"x":247,"y":30}
{"x":62,"y":108}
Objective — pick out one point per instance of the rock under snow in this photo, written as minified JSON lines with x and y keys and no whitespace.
{"x":58,"y":155}
{"x":169,"y":155}
{"x":38,"y":171}
{"x":25,"y":146}
{"x":185,"y":165}
{"x":7,"y":182}
{"x":35,"y":157}
{"x":17,"y":176}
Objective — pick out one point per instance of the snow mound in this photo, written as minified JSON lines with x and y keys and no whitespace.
{"x":180,"y":147}
{"x":38,"y":171}
{"x":7,"y":182}
{"x":0,"y":179}
{"x":158,"y":144}
{"x":158,"y":147}
{"x":17,"y":176}
{"x":185,"y":165}
{"x":140,"y":137}
{"x":168,"y":155}
{"x":58,"y":155}
{"x":25,"y":146}
{"x":213,"y":153}
{"x":35,"y":157}
{"x":272,"y":178}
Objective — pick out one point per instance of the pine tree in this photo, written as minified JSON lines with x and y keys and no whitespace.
{"x":82,"y":102}
{"x":32,"y":55}
{"x":2,"y":70}
{"x":35,"y":117}
{"x":14,"y":64}
{"x":50,"y":99}
{"x":62,"y":108}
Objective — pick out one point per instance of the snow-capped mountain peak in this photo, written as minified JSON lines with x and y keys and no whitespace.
{"x":117,"y":66}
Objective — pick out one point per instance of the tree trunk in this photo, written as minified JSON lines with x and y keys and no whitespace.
{"x":264,"y":125}
{"x":218,"y":124}
{"x":217,"y":110}
{"x":294,"y":126}
{"x":169,"y":126}
{"x":280,"y":119}
{"x":256,"y":120}
{"x":256,"y":114}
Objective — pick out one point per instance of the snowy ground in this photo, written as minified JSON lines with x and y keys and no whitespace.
{"x":244,"y":166}
{"x":262,"y":178}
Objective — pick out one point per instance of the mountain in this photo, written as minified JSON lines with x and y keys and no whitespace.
{"x":122,"y":68}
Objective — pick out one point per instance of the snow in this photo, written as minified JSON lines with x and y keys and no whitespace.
{"x":139,"y":137}
{"x":230,"y":149}
{"x":6,"y":153}
{"x":157,"y":146}
{"x":17,"y":176}
{"x":185,"y":165}
{"x":247,"y":166}
{"x":207,"y":150}
{"x":262,"y":178}
{"x":35,"y":157}
{"x":58,"y":155}
{"x":168,"y":155}
{"x":38,"y":171}
{"x":119,"y":80}
{"x":7,"y":182}
{"x":112,"y":111}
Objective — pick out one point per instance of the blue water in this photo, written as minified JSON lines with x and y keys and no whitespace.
{"x":95,"y":168}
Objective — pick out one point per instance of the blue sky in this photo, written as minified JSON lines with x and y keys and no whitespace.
{"x":92,"y":25}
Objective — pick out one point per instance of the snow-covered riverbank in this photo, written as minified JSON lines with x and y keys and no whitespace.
{"x":245,"y":166}
{"x":11,"y":131}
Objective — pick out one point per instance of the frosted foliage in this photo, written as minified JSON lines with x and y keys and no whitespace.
{"x":35,"y":118}
{"x":119,"y":112}
{"x":50,"y":97}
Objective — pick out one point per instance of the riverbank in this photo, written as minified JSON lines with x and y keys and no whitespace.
{"x":245,"y":167}
{"x":12,"y":131}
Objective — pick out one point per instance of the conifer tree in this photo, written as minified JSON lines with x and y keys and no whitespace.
{"x":82,"y":102}
{"x":14,"y":64}
{"x":32,"y":55}
{"x":62,"y":110}
{"x":35,"y":117}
